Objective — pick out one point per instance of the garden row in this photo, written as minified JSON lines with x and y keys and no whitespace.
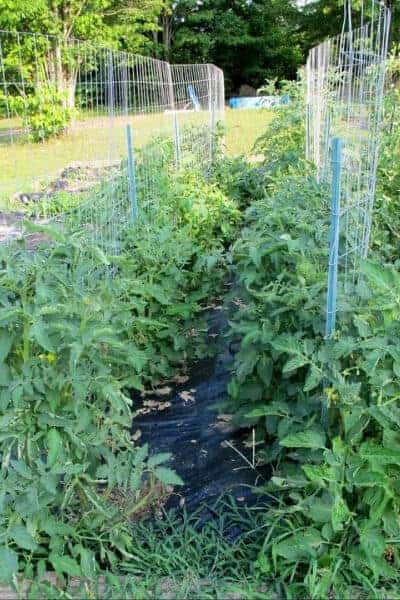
{"x":326,"y":414}
{"x":76,"y":344}
{"x":80,"y":333}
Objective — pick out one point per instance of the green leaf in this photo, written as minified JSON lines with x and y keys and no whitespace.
{"x":264,"y":370}
{"x":56,"y":527}
{"x":65,"y":565}
{"x":54,"y":445}
{"x":99,"y":254}
{"x":381,"y":277}
{"x":168,"y":476}
{"x":312,"y":439}
{"x":8,"y":564}
{"x":318,"y":473}
{"x":379,"y":454}
{"x":22,"y":469}
{"x":95,"y":499}
{"x":245,"y":362}
{"x":141,"y":454}
{"x":313,"y":379}
{"x":27,"y":504}
{"x":88,"y":562}
{"x":368,"y":478}
{"x":40,"y":335}
{"x":300,"y":545}
{"x":274,"y":408}
{"x":343,"y":347}
{"x":287,"y":344}
{"x":6,"y":342}
{"x":157,"y":292}
{"x":22,"y":537}
{"x":8,"y":313}
{"x":318,"y":509}
{"x":158,"y":459}
{"x":5,"y":375}
{"x":294,"y":363}
{"x":372,"y":541}
{"x":340,"y":514}
{"x":50,"y":482}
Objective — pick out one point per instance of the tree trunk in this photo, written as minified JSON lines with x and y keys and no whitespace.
{"x":66,"y":76}
{"x":166,"y":35}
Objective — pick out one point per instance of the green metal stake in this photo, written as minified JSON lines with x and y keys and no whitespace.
{"x":334,"y":238}
{"x":131,"y":173}
{"x":333,"y":256}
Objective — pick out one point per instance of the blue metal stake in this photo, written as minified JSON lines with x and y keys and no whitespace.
{"x":131,"y":173}
{"x":334,"y":238}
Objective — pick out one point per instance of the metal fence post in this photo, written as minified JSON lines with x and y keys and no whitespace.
{"x":334,"y":238}
{"x":175,"y":122}
{"x":131,"y":173}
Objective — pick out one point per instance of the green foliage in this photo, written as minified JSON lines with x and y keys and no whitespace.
{"x":386,"y":218}
{"x":338,"y":519}
{"x":204,"y":209}
{"x":45,"y":114}
{"x":343,"y":480}
{"x":335,"y":524}
{"x":324,"y":18}
{"x":248,"y":40}
{"x":105,"y":21}
{"x":282,"y":144}
{"x":74,"y":346}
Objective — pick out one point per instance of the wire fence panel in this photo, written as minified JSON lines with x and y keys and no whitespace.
{"x":79,"y":122}
{"x":345,"y":87}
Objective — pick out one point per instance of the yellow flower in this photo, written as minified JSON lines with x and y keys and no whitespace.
{"x":50,"y":357}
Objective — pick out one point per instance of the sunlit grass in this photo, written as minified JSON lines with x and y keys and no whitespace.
{"x":243,"y":127}
{"x":26,"y":166}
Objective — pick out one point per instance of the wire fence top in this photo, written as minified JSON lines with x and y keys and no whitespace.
{"x":65,"y":106}
{"x":345,"y":89}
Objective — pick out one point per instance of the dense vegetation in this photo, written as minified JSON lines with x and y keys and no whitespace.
{"x":251,"y":41}
{"x":82,"y":332}
{"x":326,"y":415}
{"x":79,"y":333}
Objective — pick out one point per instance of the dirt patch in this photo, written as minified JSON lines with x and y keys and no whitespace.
{"x":78,"y":178}
{"x":11,"y":229}
{"x":74,"y":179}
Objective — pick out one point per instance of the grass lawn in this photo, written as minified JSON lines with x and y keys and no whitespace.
{"x":243,"y":127}
{"x":26,"y":166}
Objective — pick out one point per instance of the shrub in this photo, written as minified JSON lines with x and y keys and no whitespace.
{"x":44,"y":113}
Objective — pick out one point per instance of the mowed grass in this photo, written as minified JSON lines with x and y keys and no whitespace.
{"x":243,"y":127}
{"x":26,"y":167}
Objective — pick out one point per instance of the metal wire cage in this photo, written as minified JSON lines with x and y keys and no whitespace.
{"x":345,"y":88}
{"x":78,"y":121}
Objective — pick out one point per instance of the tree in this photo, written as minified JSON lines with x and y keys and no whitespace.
{"x":117,"y":23}
{"x":324,"y":18}
{"x":173,"y":14}
{"x":249,"y":39}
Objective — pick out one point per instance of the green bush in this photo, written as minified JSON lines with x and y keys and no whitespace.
{"x":44,"y":113}
{"x":283,"y":144}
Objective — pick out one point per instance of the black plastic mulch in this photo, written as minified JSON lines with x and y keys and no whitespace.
{"x":202,"y":443}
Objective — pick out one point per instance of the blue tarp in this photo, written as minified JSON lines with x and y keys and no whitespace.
{"x":258,"y":101}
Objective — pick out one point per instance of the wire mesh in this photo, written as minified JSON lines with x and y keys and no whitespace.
{"x":345,"y":87}
{"x":65,"y":111}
